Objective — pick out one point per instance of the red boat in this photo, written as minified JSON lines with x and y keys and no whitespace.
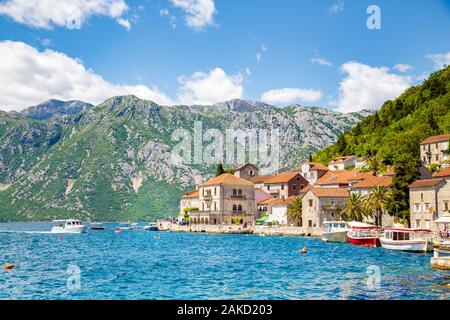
{"x":363,"y":234}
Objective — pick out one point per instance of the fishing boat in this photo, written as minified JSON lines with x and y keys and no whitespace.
{"x":405,"y":239}
{"x":68,"y":226}
{"x":335,"y":231}
{"x":363,"y":234}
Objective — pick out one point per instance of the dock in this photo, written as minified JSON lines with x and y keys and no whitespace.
{"x":441,"y":259}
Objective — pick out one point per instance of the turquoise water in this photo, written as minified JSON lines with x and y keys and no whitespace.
{"x":136,"y":265}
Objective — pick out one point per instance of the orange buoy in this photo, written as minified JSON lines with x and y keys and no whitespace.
{"x":8,"y":266}
{"x":304,"y":250}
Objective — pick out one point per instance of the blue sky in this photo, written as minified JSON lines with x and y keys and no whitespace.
{"x":205,"y":51}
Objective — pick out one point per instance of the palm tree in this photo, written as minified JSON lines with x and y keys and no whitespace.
{"x":378,"y":201}
{"x":295,"y":209}
{"x":354,"y":208}
{"x":374,"y":164}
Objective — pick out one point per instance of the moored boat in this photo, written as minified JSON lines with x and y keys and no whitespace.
{"x":363,"y":234}
{"x":335,"y":231}
{"x":68,"y":226}
{"x":405,"y":239}
{"x":97,"y":226}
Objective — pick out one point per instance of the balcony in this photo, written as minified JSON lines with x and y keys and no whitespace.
{"x":207,"y":197}
{"x":238,"y":212}
{"x":238,"y":197}
{"x":330,"y":207}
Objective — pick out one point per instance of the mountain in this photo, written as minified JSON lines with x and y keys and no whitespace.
{"x":114,"y":161}
{"x":393,"y":134}
{"x":54,"y":108}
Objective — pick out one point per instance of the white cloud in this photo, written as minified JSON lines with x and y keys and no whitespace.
{"x":66,"y":13}
{"x":321,"y":61}
{"x":366,"y":87}
{"x":440,"y":60}
{"x":124,"y":23}
{"x":199,"y":13}
{"x":259,"y":53}
{"x":248,"y":72}
{"x":29,"y":76}
{"x":286,"y":95}
{"x":210,"y":88}
{"x":401,"y":67}
{"x":172,"y":19}
{"x":337,"y":7}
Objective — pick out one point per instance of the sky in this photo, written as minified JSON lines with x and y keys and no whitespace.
{"x":339,"y":54}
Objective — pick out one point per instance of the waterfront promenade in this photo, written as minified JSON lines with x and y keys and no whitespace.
{"x":237,"y":229}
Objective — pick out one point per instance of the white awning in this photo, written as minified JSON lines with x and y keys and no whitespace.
{"x":443,"y":219}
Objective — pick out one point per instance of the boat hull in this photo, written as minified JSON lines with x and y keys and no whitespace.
{"x":74,"y":230}
{"x":407,"y":245}
{"x":365,"y":242}
{"x":340,"y":236}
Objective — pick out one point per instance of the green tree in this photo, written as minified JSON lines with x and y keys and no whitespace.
{"x":354,"y":209}
{"x":378,"y":202}
{"x":220,"y":170}
{"x":374,"y":164}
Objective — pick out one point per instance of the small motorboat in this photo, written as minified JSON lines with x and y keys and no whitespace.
{"x":151,"y":227}
{"x":67,"y":226}
{"x":405,"y":239}
{"x":363,"y":234}
{"x":335,"y":231}
{"x":97,"y":227}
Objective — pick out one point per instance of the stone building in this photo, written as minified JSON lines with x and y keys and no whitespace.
{"x":322,"y":204}
{"x":312,"y":171}
{"x":342,"y":163}
{"x":247,"y":171}
{"x":225,"y":199}
{"x":434,"y":150}
{"x":285,"y":185}
{"x":189,"y":200}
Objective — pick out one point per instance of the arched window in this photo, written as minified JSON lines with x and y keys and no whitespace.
{"x":239,"y":192}
{"x":234,"y":192}
{"x":206,"y":221}
{"x":234,"y":207}
{"x":240,"y":208}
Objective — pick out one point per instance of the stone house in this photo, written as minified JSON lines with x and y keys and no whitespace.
{"x":189,"y":200}
{"x":247,"y":171}
{"x":226,"y":199}
{"x":285,"y":185}
{"x":278,"y":213}
{"x":434,"y":150}
{"x":312,"y":171}
{"x":322,"y":204}
{"x":342,"y":163}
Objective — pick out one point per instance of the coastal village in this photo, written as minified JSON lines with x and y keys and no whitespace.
{"x":303,"y":201}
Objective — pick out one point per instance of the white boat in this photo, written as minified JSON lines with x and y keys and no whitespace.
{"x":404,"y":239}
{"x":68,"y":226}
{"x":335,"y":231}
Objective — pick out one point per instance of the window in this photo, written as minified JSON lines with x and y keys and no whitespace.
{"x":268,"y":187}
{"x":418,"y":224}
{"x":240,"y":192}
{"x":309,"y":223}
{"x":301,"y":186}
{"x":234,"y":192}
{"x":251,"y":173}
{"x":436,"y":157}
{"x":294,"y":187}
{"x":421,"y":196}
{"x":234,"y":207}
{"x":239,"y":207}
{"x":215,"y":190}
{"x":310,"y":201}
{"x":427,"y":224}
{"x":416,"y":207}
{"x":445,"y":206}
{"x":282,"y":187}
{"x":427,"y":207}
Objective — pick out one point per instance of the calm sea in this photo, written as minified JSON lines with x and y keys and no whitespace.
{"x":138,"y":265}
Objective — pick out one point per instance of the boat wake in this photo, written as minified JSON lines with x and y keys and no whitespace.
{"x":26,"y":232}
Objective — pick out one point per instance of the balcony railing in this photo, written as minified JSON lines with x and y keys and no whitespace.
{"x":207,"y":196}
{"x":238,"y":212}
{"x":238,"y":196}
{"x":330,"y":207}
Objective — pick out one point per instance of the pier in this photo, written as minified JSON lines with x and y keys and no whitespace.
{"x":441,"y":259}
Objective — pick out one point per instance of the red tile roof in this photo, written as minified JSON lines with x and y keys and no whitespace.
{"x":267,"y":202}
{"x":191,"y":194}
{"x":373,"y":181}
{"x":340,"y":159}
{"x":338,"y":177}
{"x":260,"y":179}
{"x":283,"y":177}
{"x":328,"y":192}
{"x":316,"y":166}
{"x":425,"y":183}
{"x":226,"y":179}
{"x":443,"y":173}
{"x":440,"y":138}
